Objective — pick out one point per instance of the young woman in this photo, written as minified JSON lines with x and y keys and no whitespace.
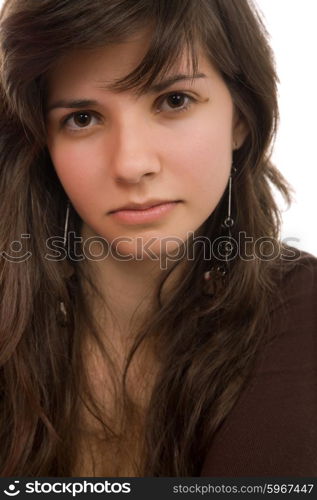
{"x":152,"y":322}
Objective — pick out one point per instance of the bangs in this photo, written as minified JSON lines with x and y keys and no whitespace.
{"x":163,"y":56}
{"x":172,"y":32}
{"x":34,"y":39}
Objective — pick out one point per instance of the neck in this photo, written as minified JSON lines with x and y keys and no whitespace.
{"x":128,"y":287}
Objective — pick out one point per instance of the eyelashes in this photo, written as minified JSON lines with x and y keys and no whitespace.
{"x":81,"y":115}
{"x":189,"y":98}
{"x":172,"y":98}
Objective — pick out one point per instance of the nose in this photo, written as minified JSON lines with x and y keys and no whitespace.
{"x":133,"y":154}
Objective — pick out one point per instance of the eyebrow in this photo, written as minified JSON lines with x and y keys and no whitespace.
{"x":156,"y":87}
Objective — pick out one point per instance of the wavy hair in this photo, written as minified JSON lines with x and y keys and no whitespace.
{"x":208,"y":340}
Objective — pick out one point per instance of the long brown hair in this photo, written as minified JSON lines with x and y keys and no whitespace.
{"x":207,"y":341}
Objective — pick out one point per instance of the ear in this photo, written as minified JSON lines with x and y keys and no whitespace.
{"x":240,"y":130}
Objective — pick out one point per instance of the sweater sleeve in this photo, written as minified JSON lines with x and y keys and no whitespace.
{"x":272,"y":429}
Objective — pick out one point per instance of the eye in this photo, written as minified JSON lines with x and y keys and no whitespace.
{"x":176,"y":101}
{"x":80,"y":120}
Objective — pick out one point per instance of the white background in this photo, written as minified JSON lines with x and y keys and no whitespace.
{"x":292,"y":26}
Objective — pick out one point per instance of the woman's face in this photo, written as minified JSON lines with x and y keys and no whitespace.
{"x":170,"y":144}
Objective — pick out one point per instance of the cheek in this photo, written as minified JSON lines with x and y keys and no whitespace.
{"x":76,"y":171}
{"x":212,"y":166}
{"x":204,"y":160}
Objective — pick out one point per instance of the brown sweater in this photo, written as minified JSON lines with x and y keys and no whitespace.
{"x":272,"y":429}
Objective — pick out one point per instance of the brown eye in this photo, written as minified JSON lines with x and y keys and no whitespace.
{"x":82,"y":119}
{"x":176,"y":101}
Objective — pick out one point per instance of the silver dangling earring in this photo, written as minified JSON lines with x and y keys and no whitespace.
{"x":229,"y":223}
{"x":62,"y":313}
{"x":216,"y":275}
{"x":66,"y":225}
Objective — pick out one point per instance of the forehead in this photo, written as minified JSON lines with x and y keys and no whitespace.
{"x":104,"y":65}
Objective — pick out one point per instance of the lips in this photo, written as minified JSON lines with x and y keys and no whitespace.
{"x":143,"y":216}
{"x":143,"y":206}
